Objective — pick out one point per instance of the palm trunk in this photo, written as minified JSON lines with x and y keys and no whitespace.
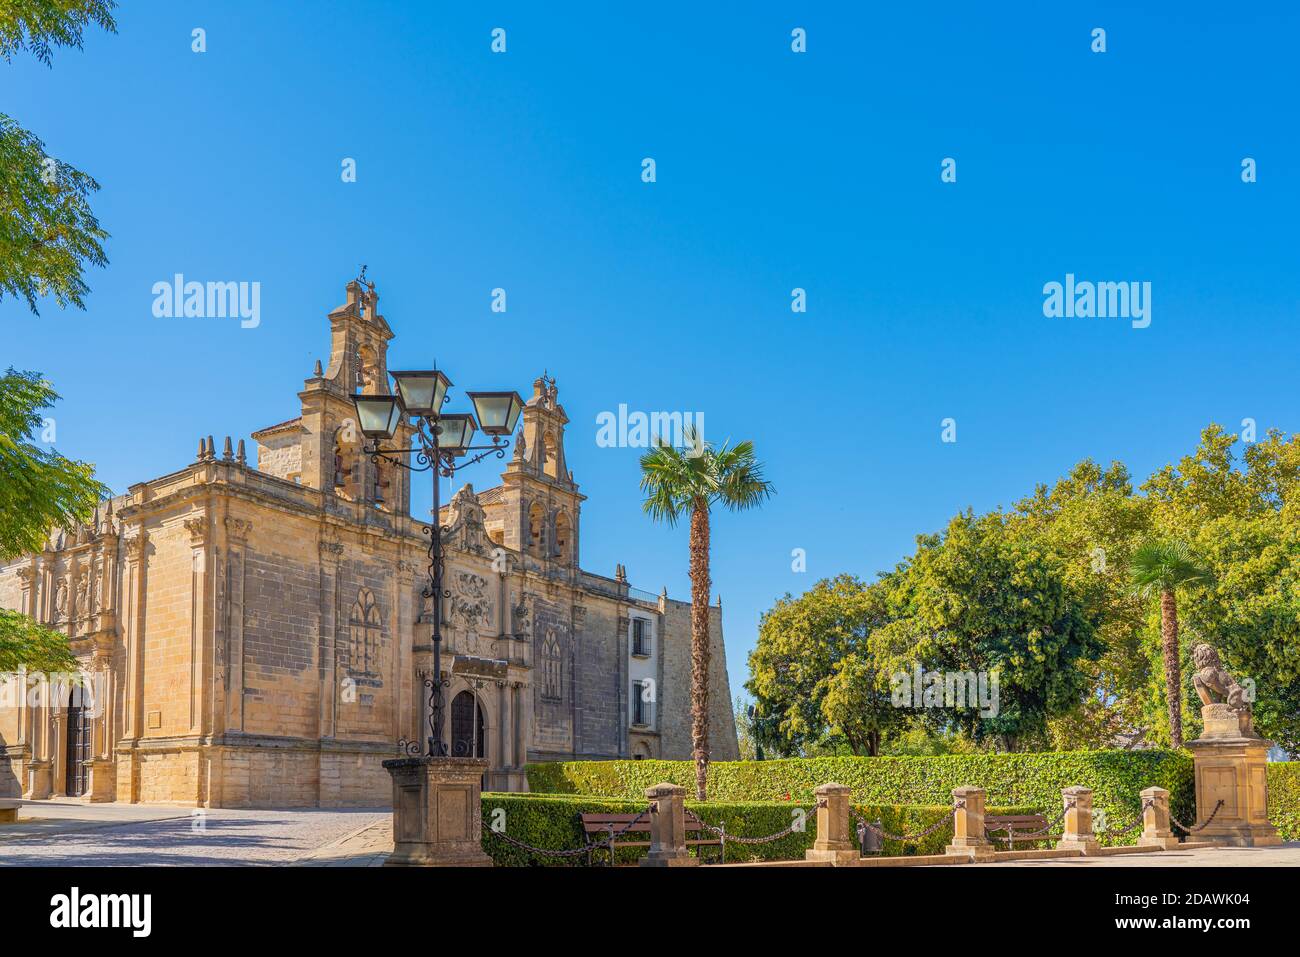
{"x":700,"y":645}
{"x":1173,"y":677}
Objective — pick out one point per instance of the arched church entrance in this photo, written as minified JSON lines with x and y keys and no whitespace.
{"x":468,"y":729}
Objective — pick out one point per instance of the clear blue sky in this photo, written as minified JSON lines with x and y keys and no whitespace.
{"x":775,"y":170}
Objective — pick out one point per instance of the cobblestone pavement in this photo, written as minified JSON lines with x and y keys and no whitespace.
{"x":366,"y":847}
{"x":53,"y":833}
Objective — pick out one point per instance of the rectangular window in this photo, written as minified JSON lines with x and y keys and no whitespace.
{"x":640,"y":707}
{"x":640,"y":638}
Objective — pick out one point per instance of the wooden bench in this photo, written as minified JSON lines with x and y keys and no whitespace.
{"x":9,"y":810}
{"x":598,"y":827}
{"x":1022,"y":825}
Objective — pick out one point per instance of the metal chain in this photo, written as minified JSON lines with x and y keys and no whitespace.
{"x":738,"y":839}
{"x":604,"y":842}
{"x":1199,"y":827}
{"x":909,"y":838}
{"x":1013,"y":836}
{"x":1129,"y":827}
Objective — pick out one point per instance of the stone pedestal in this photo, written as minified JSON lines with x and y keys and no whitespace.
{"x":436,"y":812}
{"x":101,"y":781}
{"x":40,"y":781}
{"x":1155,"y":820}
{"x":968,"y":838}
{"x":1232,"y":767}
{"x":9,"y":810}
{"x":833,"y":842}
{"x":1077,"y":834}
{"x":668,"y":828}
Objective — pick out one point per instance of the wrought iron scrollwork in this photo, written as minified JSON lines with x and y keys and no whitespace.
{"x":426,"y":456}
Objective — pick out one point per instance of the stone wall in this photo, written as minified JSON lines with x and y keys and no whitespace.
{"x":601,"y":675}
{"x":675,"y":723}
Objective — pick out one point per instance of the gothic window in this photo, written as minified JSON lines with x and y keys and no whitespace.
{"x":563,"y":536}
{"x":552,"y":668}
{"x":365,"y":631}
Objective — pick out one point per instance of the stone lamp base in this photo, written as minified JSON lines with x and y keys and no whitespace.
{"x":436,"y":812}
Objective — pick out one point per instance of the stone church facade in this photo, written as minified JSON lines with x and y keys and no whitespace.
{"x":256,"y":636}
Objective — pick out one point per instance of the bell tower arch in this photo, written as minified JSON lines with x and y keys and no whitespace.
{"x":541,"y":500}
{"x":331,"y":443}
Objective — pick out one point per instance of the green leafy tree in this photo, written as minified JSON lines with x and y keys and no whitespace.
{"x":688,"y":483}
{"x":1089,"y":522}
{"x":977,"y":599}
{"x":38,"y":26}
{"x":1241,"y":517}
{"x":25,"y":644}
{"x":743,"y":712}
{"x":811,"y":672}
{"x":39,"y":490}
{"x":48,"y":234}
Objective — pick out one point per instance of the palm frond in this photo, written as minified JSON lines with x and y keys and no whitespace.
{"x":1158,"y":566}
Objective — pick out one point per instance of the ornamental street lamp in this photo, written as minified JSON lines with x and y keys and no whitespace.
{"x":441,"y":439}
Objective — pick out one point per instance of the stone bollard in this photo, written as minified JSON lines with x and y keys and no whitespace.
{"x":968,"y":838}
{"x":833,"y":842}
{"x":668,"y":828}
{"x":1155,"y":820}
{"x":1077,"y":834}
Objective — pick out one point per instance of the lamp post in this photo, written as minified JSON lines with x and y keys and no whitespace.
{"x":441,"y":439}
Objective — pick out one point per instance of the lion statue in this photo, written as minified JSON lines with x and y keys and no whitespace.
{"x":1214,"y":684}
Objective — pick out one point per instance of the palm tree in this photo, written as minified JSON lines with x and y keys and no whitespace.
{"x":1162,"y":568}
{"x":690,"y":481}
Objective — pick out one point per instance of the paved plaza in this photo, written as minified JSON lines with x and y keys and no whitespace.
{"x":63,"y":833}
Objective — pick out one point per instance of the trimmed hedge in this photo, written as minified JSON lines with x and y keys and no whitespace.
{"x":1033,"y":781}
{"x":1284,"y":798}
{"x":551,"y":821}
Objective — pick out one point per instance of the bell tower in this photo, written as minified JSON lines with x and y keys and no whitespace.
{"x":332,"y":457}
{"x":541,"y":499}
